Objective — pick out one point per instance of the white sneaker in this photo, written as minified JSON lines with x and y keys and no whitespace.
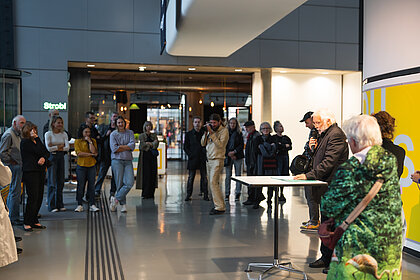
{"x":113,"y":204}
{"x":79,"y":208}
{"x":123,"y":209}
{"x":93,"y":208}
{"x":63,"y":209}
{"x":55,"y":210}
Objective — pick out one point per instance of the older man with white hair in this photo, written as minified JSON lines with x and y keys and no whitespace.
{"x":331,"y":151}
{"x":10,"y":155}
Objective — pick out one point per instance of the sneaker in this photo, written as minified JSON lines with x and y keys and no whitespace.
{"x":306,"y":222}
{"x":93,"y":208}
{"x":63,"y":209}
{"x":55,"y":210}
{"x":310,"y":227}
{"x":111,"y":197}
{"x":123,"y":209}
{"x":79,"y":208}
{"x":113,"y":204}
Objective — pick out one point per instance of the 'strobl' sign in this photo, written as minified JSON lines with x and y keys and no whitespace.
{"x":57,"y":106}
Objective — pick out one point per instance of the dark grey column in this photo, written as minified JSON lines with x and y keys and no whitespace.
{"x":79,"y":99}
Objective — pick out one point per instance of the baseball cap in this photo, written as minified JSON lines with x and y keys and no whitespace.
{"x":306,"y":116}
{"x":249,"y":123}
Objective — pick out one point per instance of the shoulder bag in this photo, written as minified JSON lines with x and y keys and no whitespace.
{"x":330,"y":238}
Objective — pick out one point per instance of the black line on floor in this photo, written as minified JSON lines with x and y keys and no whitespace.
{"x":87,"y":250}
{"x":102,"y":258}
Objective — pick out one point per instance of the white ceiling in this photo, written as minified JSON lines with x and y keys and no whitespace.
{"x":218,"y":28}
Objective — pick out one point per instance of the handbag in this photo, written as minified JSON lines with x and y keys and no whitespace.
{"x":155,"y":152}
{"x":330,"y":238}
{"x":299,"y":165}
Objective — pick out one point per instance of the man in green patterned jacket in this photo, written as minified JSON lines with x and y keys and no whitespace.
{"x":371,"y":246}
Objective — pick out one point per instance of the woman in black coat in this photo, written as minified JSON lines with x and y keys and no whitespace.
{"x":266,"y":161}
{"x":34,"y":158}
{"x":387,"y":124}
{"x":284,"y":145}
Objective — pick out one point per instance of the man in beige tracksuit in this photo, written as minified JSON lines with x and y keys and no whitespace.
{"x":215,"y":141}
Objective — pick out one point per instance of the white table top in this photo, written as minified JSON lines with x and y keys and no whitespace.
{"x":275,"y":181}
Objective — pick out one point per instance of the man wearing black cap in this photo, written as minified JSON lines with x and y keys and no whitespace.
{"x":251,"y":157}
{"x":313,"y":223}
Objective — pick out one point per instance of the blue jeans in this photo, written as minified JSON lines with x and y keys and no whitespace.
{"x":124,"y":178}
{"x":13,"y":200}
{"x":238,"y":171}
{"x":56,"y":181}
{"x":85,"y":174}
{"x":103,"y":169}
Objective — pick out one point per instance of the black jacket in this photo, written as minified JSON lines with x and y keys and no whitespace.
{"x":397,"y":151}
{"x":251,"y":152}
{"x":31,"y":153}
{"x":192,"y":147}
{"x":235,"y":143}
{"x":106,"y":149}
{"x":281,"y":142}
{"x":265,"y":149}
{"x":332,"y":150}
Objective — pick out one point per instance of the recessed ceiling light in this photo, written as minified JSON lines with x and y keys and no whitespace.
{"x":283,"y":71}
{"x":142,"y":68}
{"x":324,"y":73}
{"x":91,"y":65}
{"x":191,"y":69}
{"x":238,"y":70}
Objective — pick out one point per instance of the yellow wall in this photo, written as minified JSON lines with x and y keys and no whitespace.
{"x":402,"y":103}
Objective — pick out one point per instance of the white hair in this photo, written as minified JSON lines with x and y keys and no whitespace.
{"x":17,"y":118}
{"x":325,"y":114}
{"x":267,"y":124}
{"x":364,"y":130}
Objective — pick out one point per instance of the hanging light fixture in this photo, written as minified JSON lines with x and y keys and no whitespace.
{"x":190,"y":108}
{"x":212,"y":104}
{"x":200,"y":101}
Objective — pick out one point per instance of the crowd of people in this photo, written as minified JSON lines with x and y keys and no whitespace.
{"x":212,"y":148}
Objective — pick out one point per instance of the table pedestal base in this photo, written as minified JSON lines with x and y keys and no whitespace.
{"x":273,"y":266}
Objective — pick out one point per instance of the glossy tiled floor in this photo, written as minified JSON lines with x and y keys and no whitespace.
{"x":171,"y":239}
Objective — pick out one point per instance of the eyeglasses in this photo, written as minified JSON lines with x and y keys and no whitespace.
{"x":265,"y":128}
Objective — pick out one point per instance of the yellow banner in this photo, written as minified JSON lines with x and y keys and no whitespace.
{"x":402,"y":103}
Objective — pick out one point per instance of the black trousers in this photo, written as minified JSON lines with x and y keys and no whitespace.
{"x":203,"y":181}
{"x":326,"y":253}
{"x":34,"y":184}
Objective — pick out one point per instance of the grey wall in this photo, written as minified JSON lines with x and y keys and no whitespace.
{"x":49,"y":33}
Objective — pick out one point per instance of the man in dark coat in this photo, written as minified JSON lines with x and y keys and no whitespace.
{"x":251,"y":153}
{"x":196,"y":159}
{"x":331,"y":151}
{"x":105,"y":160}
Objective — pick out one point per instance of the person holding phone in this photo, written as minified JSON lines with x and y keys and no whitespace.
{"x":34,"y":158}
{"x":86,"y":149}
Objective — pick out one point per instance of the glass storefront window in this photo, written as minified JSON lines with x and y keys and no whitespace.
{"x":168,"y":123}
{"x":9,"y":100}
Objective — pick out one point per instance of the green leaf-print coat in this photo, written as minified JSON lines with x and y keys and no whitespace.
{"x":377,"y":232}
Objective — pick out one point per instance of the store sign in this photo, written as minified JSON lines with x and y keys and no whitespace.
{"x":57,"y":106}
